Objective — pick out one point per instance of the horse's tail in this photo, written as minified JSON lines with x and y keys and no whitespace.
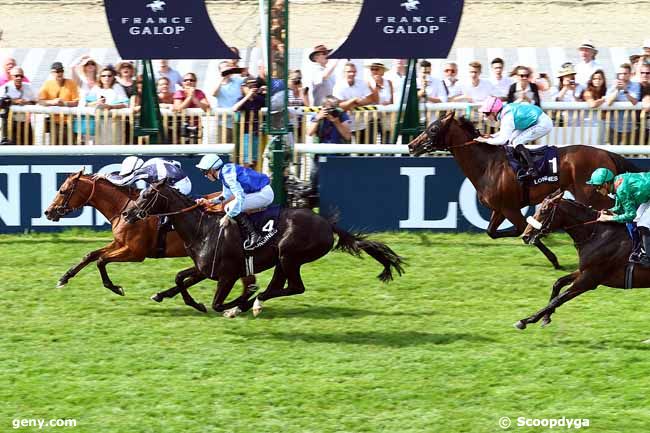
{"x":354,"y":243}
{"x":623,"y":165}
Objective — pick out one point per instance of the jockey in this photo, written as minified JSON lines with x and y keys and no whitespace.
{"x":155,"y":169}
{"x":521,"y":123}
{"x":632,"y":192}
{"x":250,"y":189}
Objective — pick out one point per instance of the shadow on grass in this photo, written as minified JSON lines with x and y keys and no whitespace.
{"x":54,"y":241}
{"x":386,"y":339}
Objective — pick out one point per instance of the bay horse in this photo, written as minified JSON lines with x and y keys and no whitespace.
{"x":603,"y":249}
{"x":497,"y":187}
{"x":131,"y":242}
{"x":302,"y":237}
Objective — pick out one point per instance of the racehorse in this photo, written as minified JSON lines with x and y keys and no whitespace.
{"x":302,"y":237}
{"x":603,"y":249}
{"x":497,"y":187}
{"x":131,"y":242}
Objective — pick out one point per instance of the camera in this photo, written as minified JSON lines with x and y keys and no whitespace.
{"x":572,"y":82}
{"x":333,"y":111}
{"x":5,"y":104}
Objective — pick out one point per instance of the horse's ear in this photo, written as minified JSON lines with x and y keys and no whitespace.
{"x":81,"y":172}
{"x":557,"y":195}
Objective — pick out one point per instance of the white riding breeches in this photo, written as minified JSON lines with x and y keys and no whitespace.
{"x":543,"y":126}
{"x":254,"y":200}
{"x":642,"y":218}
{"x":184,"y":186}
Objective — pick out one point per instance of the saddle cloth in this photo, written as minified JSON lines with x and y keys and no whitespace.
{"x":545,"y":160}
{"x":265,"y":221}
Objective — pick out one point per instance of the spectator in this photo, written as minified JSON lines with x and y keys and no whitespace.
{"x":7,"y":65}
{"x":21,"y":93}
{"x":587,"y":64}
{"x":125,"y":75}
{"x":568,"y":90}
{"x":624,"y":90}
{"x":250,"y":104}
{"x":235,"y":63}
{"x":108,"y":94}
{"x":523,"y":90}
{"x":189,"y":96}
{"x":84,"y":72}
{"x":397,"y":75}
{"x":321,"y":80}
{"x":432,"y":90}
{"x":500,"y":83}
{"x":635,"y":63}
{"x":57,"y":92}
{"x":545,"y":88}
{"x":425,"y":71}
{"x":165,"y":95}
{"x":450,"y":81}
{"x":352,"y":92}
{"x":297,"y":93}
{"x":382,"y":85}
{"x":228,"y":92}
{"x":330,"y":125}
{"x":474,"y":89}
{"x":174,"y":77}
{"x":596,"y":89}
{"x":644,"y":80}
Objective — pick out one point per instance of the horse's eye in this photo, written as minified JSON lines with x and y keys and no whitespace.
{"x":62,"y":192}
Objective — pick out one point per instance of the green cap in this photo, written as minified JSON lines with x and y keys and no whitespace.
{"x":601,"y":176}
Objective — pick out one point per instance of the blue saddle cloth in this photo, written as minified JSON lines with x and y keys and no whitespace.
{"x":266,"y":223}
{"x":545,"y":161}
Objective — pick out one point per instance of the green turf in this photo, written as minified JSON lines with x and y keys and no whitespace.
{"x":434,"y":351}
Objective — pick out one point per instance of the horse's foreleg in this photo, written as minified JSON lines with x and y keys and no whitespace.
{"x":583,"y":283}
{"x":493,"y":228}
{"x":273,"y":290}
{"x":224,"y":286}
{"x":122,"y":254}
{"x":184,"y":280}
{"x":516,"y":218}
{"x":561,"y":282}
{"x":90,"y":257}
{"x":249,"y":287}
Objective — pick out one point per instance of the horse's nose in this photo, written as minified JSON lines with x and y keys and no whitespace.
{"x":47,"y":212}
{"x":526,"y":239}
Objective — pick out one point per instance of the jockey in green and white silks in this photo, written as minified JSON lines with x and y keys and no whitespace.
{"x":521,"y":124}
{"x":632,"y":192}
{"x":250,"y":189}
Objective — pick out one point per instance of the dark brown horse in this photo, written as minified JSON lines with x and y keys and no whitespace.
{"x":302,"y":237}
{"x":131,"y":242}
{"x":496,"y":184}
{"x":603,"y":249}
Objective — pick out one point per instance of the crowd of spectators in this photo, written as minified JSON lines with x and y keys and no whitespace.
{"x":350,"y":83}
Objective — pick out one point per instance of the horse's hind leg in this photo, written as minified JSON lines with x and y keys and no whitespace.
{"x":224,"y":286}
{"x":493,"y":228}
{"x":90,"y":257}
{"x":561,"y":282}
{"x":184,"y":280}
{"x":123,"y":254}
{"x":273,"y":290}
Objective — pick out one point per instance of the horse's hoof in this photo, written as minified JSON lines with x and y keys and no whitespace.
{"x":201,"y":308}
{"x":157,"y":298}
{"x":520,"y":325}
{"x":61,"y":284}
{"x":257,"y":307}
{"x":546,"y":322}
{"x":232,"y":313}
{"x":117,"y":290}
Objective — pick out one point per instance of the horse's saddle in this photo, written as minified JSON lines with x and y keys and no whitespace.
{"x":545,"y":161}
{"x":265,"y":222}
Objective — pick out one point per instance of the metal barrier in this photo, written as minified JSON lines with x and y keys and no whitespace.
{"x":619,"y":124}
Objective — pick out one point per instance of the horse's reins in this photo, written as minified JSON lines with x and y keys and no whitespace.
{"x":65,"y":208}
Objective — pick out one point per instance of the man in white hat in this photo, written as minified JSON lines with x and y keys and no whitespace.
{"x":321,"y":78}
{"x":587,"y":64}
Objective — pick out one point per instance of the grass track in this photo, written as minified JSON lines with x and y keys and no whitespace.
{"x":434,"y":351}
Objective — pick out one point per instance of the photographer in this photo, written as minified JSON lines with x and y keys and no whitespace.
{"x":568,"y":90}
{"x":250,"y":104}
{"x":330,"y":125}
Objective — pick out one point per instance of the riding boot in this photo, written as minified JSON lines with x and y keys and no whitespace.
{"x":253,"y":237}
{"x":528,"y":172}
{"x":165,"y":227}
{"x":637,"y":252}
{"x":645,"y":238}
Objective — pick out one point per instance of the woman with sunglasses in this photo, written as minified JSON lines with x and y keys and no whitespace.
{"x":523,"y":90}
{"x":85,"y":73}
{"x":521,"y":124}
{"x":632,"y":191}
{"x":108,"y":94}
{"x":189,"y":96}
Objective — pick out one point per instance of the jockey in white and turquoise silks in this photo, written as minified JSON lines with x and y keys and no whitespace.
{"x":250,"y":189}
{"x":632,"y":192}
{"x":521,"y":124}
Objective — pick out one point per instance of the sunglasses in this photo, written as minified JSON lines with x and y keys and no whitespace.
{"x":18,"y":76}
{"x":189,"y":80}
{"x":644,"y":73}
{"x":91,"y":64}
{"x":58,"y":71}
{"x":524,"y":75}
{"x":107,"y":76}
{"x":450,"y":70}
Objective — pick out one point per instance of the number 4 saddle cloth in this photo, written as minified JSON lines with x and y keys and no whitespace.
{"x":545,"y":160}
{"x":265,"y":222}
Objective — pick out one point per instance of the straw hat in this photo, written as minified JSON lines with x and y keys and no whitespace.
{"x":377,"y":65}
{"x":587,"y":44}
{"x":318,"y":49}
{"x":567,"y":69}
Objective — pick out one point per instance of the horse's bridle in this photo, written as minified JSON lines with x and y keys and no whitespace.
{"x":545,"y":229}
{"x":431,"y":137}
{"x":143,"y":212}
{"x":65,"y":208}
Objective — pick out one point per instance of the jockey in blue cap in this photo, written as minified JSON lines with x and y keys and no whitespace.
{"x":251,"y":190}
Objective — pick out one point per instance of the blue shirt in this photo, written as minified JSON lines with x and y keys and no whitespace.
{"x":238,"y":181}
{"x":327,"y":132}
{"x":229,"y":94}
{"x":618,"y":117}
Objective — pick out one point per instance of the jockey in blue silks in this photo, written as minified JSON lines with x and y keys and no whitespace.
{"x":250,"y":189}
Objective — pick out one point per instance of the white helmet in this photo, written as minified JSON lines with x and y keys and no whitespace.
{"x":130,"y":164}
{"x":210,"y":161}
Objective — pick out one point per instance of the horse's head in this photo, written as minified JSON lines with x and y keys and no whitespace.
{"x":72,"y":195}
{"x":154,"y":200}
{"x":443,"y":134}
{"x":544,"y":221}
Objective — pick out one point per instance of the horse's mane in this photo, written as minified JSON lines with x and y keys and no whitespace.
{"x":468,"y":126}
{"x":585,"y":212}
{"x":130,"y":191}
{"x":188,"y":201}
